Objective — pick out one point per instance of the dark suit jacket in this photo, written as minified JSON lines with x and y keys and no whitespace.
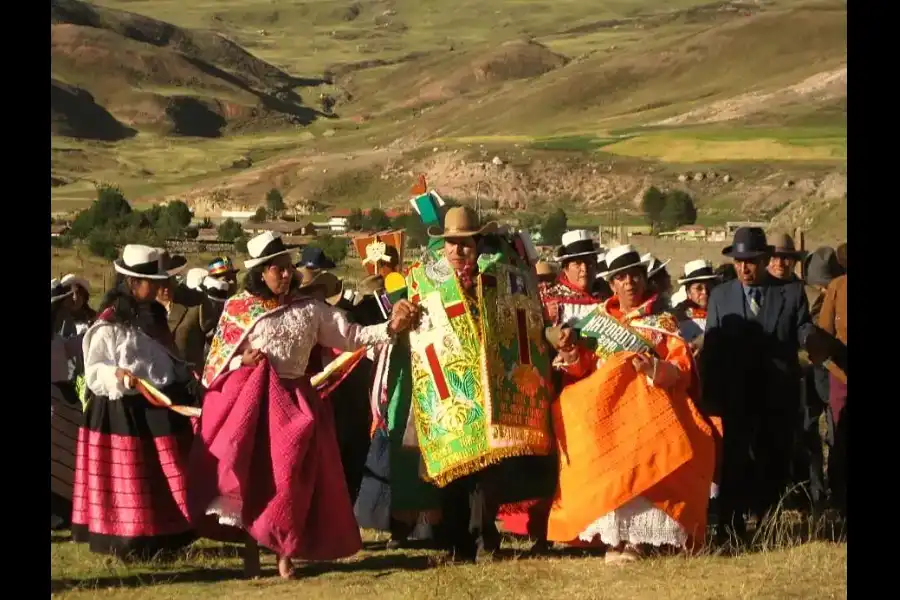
{"x":750,"y":364}
{"x":185,"y":325}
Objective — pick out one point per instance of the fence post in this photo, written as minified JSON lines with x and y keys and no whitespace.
{"x":800,"y":242}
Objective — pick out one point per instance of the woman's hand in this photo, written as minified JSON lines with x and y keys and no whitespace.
{"x":251,"y":357}
{"x":126,"y":378}
{"x":404,"y":316}
{"x":644,"y":365}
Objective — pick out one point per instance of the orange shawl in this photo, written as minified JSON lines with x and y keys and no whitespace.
{"x":618,"y":438}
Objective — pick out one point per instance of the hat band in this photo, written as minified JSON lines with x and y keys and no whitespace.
{"x":147,"y":268}
{"x":745,"y":248}
{"x":704,"y":272}
{"x":579,"y":247}
{"x":273,"y":247}
{"x":629,"y":259}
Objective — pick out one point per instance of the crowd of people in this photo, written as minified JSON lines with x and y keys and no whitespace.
{"x":582,"y":400}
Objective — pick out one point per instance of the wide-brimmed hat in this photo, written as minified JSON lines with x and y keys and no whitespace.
{"x":195,"y":277}
{"x":72,"y":280}
{"x":221,"y":266}
{"x":142,"y":262}
{"x":462,"y":221}
{"x":654,"y":265}
{"x":577,"y":243}
{"x":316,"y":278}
{"x":822,"y":266}
{"x":216,"y":289}
{"x":622,"y":258}
{"x":58,"y":291}
{"x":783,"y":245}
{"x":370,"y":285}
{"x":697,"y":270}
{"x":263,"y":248}
{"x":314,"y":257}
{"x":174,"y":264}
{"x":748,"y":243}
{"x":544,"y":269}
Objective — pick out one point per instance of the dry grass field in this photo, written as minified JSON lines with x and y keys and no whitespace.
{"x":778,"y":567}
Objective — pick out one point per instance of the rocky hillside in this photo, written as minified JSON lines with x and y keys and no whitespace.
{"x":151,"y":75}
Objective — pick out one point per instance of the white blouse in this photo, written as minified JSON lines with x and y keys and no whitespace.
{"x":108,"y":346}
{"x":288,"y":336}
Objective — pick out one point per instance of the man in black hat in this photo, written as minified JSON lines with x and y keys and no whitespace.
{"x":751,"y":378}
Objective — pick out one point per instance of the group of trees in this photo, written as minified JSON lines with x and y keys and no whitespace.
{"x":668,"y":210}
{"x":111,"y":222}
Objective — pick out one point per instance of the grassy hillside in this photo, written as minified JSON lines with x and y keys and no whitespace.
{"x":566,"y":92}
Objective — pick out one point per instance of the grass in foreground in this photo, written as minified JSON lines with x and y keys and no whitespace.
{"x":211,"y":570}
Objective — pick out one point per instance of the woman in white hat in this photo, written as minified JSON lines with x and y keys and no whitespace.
{"x":81,"y":315}
{"x":636,"y":457}
{"x":698,"y":282}
{"x":261,"y":410}
{"x":130,"y":492}
{"x":570,"y":298}
{"x":65,"y":410}
{"x":658,"y":279}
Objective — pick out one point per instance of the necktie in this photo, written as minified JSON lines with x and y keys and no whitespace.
{"x":755,"y":300}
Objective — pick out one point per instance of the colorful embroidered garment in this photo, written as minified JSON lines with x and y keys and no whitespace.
{"x":239,"y":316}
{"x":564,"y":304}
{"x":480,"y":375}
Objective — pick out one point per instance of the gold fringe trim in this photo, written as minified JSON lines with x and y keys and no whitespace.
{"x":479,"y":463}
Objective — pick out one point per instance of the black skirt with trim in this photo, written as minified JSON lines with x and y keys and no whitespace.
{"x":129,"y":494}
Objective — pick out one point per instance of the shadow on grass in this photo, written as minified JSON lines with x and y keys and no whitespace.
{"x":384,"y":565}
{"x":145,"y":579}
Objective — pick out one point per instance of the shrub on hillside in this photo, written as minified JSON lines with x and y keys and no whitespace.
{"x":274,"y":202}
{"x":554,"y":227}
{"x":378,"y":220}
{"x":230,"y":230}
{"x":334,"y":248}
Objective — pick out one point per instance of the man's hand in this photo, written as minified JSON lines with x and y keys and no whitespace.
{"x":404,"y":316}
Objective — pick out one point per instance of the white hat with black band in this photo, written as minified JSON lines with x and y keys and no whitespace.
{"x":575,"y":244}
{"x":697,"y":270}
{"x":622,"y":258}
{"x":142,"y":262}
{"x":263,"y":248}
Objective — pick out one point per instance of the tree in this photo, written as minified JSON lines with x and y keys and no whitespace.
{"x":356,"y":221}
{"x":554,"y":227}
{"x":260,"y":216}
{"x":378,"y":220}
{"x":679,"y":210}
{"x":240,"y":244}
{"x":416,"y":234}
{"x":100,"y":243}
{"x":230,"y":230}
{"x":179,"y":213}
{"x":275,"y":202}
{"x":652,"y":205}
{"x":109,"y":209}
{"x":334,"y":248}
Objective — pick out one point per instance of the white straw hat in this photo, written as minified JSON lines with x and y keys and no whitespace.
{"x":263,"y":248}
{"x":576,"y":243}
{"x":653,"y":264}
{"x":621,"y":258}
{"x":697,"y":270}
{"x":142,"y":262}
{"x":72,"y":280}
{"x":194,"y":278}
{"x":58,"y":291}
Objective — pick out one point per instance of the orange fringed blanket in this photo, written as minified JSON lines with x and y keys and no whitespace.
{"x":619,"y":438}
